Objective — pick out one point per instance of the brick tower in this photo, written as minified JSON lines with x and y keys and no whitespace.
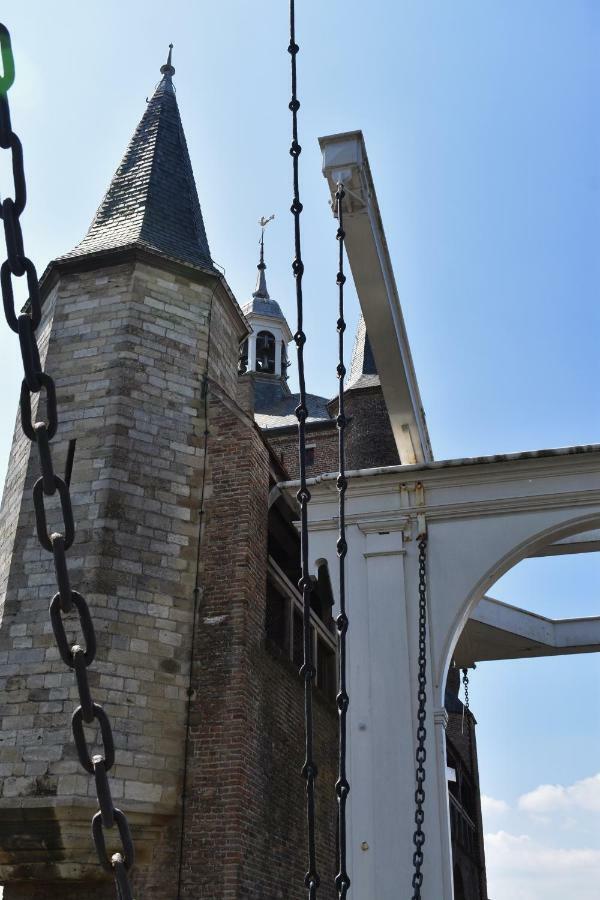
{"x":170,"y":485}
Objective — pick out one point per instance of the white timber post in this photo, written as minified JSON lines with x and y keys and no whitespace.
{"x":252,"y":351}
{"x":440,"y":718}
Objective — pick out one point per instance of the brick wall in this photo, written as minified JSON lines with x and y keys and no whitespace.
{"x":369,"y":438}
{"x":325,"y":441}
{"x":245,"y":818}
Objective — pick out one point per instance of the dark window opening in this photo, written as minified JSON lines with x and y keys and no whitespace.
{"x":321,"y":598}
{"x":326,"y":669}
{"x":265,"y":352}
{"x":310,"y":456}
{"x":284,"y":621}
{"x":284,"y":628}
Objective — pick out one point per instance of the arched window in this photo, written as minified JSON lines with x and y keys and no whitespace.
{"x":265,"y":352}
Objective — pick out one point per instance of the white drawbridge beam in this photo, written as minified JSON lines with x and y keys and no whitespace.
{"x":345,"y":160}
{"x":497,"y":630}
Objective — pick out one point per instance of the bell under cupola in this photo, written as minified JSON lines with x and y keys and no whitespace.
{"x":264,"y":352}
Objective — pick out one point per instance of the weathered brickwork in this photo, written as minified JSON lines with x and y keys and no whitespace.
{"x":170,"y":488}
{"x":245,"y":819}
{"x":324,"y":441}
{"x":369,"y":438}
{"x":17,"y":463}
{"x":128,"y":348}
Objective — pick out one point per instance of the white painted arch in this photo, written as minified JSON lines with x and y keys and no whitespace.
{"x":483,"y":516}
{"x":566,"y":524}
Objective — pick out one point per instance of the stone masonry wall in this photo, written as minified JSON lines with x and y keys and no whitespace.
{"x":127,"y":349}
{"x":18,"y":461}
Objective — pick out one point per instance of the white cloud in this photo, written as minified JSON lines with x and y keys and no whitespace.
{"x":492,"y":807}
{"x":520,"y":868}
{"x":552,"y":798}
{"x":559,"y":857}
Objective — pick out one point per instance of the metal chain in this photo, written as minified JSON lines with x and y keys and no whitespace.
{"x":465,"y":681}
{"x":342,"y":787}
{"x":421,"y":753}
{"x":76,"y":656}
{"x":307,"y":671}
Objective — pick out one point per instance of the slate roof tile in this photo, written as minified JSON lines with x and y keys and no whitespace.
{"x":363,"y":371}
{"x":274,"y":406}
{"x":152,"y":200}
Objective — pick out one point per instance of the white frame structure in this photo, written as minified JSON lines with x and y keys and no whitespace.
{"x":482,"y":517}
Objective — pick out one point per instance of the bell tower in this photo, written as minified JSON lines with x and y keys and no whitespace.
{"x":264,"y":352}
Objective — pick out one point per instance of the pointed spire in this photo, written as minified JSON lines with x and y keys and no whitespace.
{"x":262,"y":304}
{"x":363,"y":371}
{"x":261,"y":292}
{"x":168,"y":69}
{"x":152,"y":200}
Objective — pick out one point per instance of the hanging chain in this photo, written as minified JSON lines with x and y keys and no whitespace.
{"x":307,"y":671}
{"x":421,"y":753}
{"x":465,"y":681}
{"x":342,"y":787}
{"x":75,"y":656}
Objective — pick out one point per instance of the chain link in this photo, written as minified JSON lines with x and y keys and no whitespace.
{"x":75,"y":657}
{"x":465,"y":681}
{"x":342,"y":881}
{"x":307,"y":671}
{"x":421,"y":753}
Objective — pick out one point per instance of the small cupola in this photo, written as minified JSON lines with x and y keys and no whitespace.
{"x":264,"y":351}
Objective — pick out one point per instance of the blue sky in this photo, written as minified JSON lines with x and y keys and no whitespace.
{"x":482,"y":127}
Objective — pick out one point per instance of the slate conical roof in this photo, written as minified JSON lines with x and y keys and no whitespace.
{"x":363,"y":371}
{"x":152,"y":200}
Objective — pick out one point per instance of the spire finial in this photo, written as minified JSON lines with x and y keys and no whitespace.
{"x":261,"y":282}
{"x":168,"y":69}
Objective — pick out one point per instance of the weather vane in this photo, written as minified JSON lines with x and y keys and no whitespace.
{"x":263,"y":222}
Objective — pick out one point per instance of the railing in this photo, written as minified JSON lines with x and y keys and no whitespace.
{"x":324,"y":643}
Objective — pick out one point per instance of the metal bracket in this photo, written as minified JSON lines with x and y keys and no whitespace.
{"x":420,"y":501}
